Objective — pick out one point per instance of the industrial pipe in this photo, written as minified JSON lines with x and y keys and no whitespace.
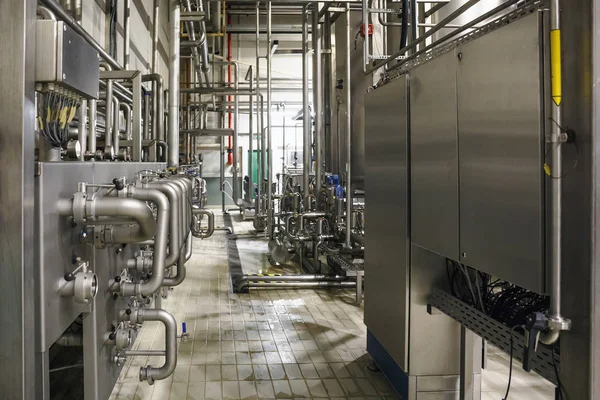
{"x":153,"y":284}
{"x":192,"y":34}
{"x":173,"y":196}
{"x":301,"y":285}
{"x":349,"y":132}
{"x":306,"y":118}
{"x":108,"y":148}
{"x":203,"y":234}
{"x":556,"y":321}
{"x":127,"y":35}
{"x":271,"y":218}
{"x":92,"y":109}
{"x":172,"y":281}
{"x":173,"y":141}
{"x":140,"y":315}
{"x":317,"y":102}
{"x":115,"y":126}
{"x":126,"y":108}
{"x":82,"y":131}
{"x":309,"y":215}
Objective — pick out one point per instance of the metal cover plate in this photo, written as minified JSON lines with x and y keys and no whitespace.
{"x":500,"y":116}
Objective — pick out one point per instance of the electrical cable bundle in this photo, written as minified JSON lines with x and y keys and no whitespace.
{"x":501,"y":300}
{"x":55,"y":112}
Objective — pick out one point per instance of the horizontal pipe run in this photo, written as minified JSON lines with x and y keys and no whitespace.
{"x":295,"y":278}
{"x":150,"y":353}
{"x":301,"y":285}
{"x":200,"y":233}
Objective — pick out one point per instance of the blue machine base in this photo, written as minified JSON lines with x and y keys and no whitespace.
{"x":392,"y":371}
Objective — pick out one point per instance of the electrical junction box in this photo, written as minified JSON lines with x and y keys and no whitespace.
{"x":64,"y":58}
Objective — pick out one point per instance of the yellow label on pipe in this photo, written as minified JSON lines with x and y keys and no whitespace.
{"x":556,"y":66}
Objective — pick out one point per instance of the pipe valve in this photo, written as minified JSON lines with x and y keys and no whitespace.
{"x":81,"y":284}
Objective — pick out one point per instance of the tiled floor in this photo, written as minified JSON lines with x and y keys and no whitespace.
{"x":270,"y":344}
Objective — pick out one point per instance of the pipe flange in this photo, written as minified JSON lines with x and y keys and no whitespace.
{"x":145,"y":376}
{"x":85,"y":286}
{"x":559,"y":324}
{"x":123,"y":339}
{"x":79,"y":207}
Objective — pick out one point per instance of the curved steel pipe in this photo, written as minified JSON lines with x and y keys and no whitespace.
{"x":149,"y":373}
{"x":188,"y":248}
{"x":152,"y":285}
{"x":174,"y":200}
{"x":108,"y":147}
{"x":203,"y":234}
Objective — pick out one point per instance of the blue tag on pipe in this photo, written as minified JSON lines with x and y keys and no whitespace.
{"x":183,"y":327}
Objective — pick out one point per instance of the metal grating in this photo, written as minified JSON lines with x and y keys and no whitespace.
{"x":515,"y":15}
{"x":494,"y":332}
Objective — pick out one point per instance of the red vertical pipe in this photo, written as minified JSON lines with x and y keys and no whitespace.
{"x":229,"y":149}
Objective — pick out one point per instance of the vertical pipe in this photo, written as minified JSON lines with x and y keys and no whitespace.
{"x":269,"y":122}
{"x":260,"y":111}
{"x":108,"y":149}
{"x":173,"y":141}
{"x":306,"y":146}
{"x":236,"y":121}
{"x":365,"y":22}
{"x":115,"y":126}
{"x":155,"y":25}
{"x":326,"y":142}
{"x":556,"y":322}
{"x":251,"y":138}
{"x":92,"y":112}
{"x":348,"y":133}
{"x":83,"y":129}
{"x":146,"y":115}
{"x":127,"y":35}
{"x":317,"y":102}
{"x":137,"y":118}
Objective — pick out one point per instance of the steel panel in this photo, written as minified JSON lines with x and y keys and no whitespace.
{"x":501,"y":154}
{"x":434,"y":156}
{"x":387,"y":239}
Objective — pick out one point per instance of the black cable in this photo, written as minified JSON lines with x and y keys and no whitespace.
{"x":510,"y":367}
{"x":404,"y":30}
{"x":559,"y":387}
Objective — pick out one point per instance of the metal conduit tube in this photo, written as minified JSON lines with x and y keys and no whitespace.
{"x":187,"y":187}
{"x":92,"y":109}
{"x":152,"y":285}
{"x":348,"y":133}
{"x":203,"y":234}
{"x":271,"y":219}
{"x":174,"y":238}
{"x":115,"y":127}
{"x":149,"y":373}
{"x":181,"y":217}
{"x":317,"y":101}
{"x":64,"y":16}
{"x":108,"y":149}
{"x":155,"y":25}
{"x":173,"y":139}
{"x":306,"y":143}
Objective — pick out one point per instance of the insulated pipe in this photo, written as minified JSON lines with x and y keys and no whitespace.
{"x":211,"y":223}
{"x":82,"y":133}
{"x":108,"y":149}
{"x":64,"y":16}
{"x":173,"y":141}
{"x":153,"y":284}
{"x":92,"y":109}
{"x":317,"y":102}
{"x":348,"y":133}
{"x":149,"y":373}
{"x":115,"y":127}
{"x":306,"y":126}
{"x":271,"y":219}
{"x":127,"y":35}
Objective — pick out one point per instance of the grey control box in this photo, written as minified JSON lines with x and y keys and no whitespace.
{"x":64,"y":58}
